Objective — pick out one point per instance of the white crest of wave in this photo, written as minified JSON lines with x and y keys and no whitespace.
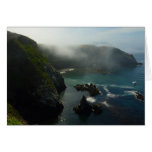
{"x":91,"y":99}
{"x":62,"y":72}
{"x":121,"y":86}
{"x":132,"y":92}
{"x":111,"y":95}
{"x":106,"y":104}
{"x":71,"y":69}
{"x":106,"y":89}
{"x":66,"y":70}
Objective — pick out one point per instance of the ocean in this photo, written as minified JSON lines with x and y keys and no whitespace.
{"x":119,"y":104}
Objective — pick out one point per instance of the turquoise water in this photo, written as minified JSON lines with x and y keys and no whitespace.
{"x":119,"y":103}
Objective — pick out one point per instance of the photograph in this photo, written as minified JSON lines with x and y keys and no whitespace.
{"x":75,"y":75}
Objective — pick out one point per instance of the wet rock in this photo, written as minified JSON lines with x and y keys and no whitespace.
{"x":91,"y":88}
{"x":85,"y":108}
{"x":97,"y":108}
{"x":139,"y":96}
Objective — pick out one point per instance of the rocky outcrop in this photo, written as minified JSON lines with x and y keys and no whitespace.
{"x":33,"y":84}
{"x":91,"y":88}
{"x":97,"y":108}
{"x":139,"y":96}
{"x":85,"y":108}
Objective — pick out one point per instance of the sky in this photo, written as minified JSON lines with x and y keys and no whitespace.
{"x":128,"y":39}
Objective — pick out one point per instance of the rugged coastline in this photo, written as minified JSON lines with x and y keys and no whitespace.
{"x":35,"y":82}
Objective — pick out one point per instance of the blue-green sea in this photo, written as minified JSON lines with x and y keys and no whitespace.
{"x":120,"y":106}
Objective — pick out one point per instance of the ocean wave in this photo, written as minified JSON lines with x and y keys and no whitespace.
{"x":105,"y":103}
{"x":115,"y":85}
{"x":62,"y":72}
{"x":121,"y":86}
{"x":132,"y":92}
{"x":71,"y":69}
{"x":106,"y":89}
{"x":109,"y":94}
{"x":66,"y":70}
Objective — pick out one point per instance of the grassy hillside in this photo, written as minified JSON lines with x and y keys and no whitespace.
{"x":36,"y":58}
{"x":13,"y":116}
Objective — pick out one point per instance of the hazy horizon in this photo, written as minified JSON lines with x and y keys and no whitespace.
{"x":131,"y":39}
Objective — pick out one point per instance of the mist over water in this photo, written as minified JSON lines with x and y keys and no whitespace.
{"x":89,"y":57}
{"x":130,"y":40}
{"x":100,"y":56}
{"x":119,"y":103}
{"x":120,"y":106}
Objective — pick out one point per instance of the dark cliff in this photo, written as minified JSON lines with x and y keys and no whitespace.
{"x":33,"y":84}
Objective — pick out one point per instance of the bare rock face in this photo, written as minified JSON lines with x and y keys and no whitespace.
{"x":91,"y":88}
{"x":85,"y":108}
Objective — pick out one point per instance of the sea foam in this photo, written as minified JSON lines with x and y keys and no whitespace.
{"x":121,"y":86}
{"x":105,"y":103}
{"x":132,"y":92}
{"x":109,"y":94}
{"x":66,"y":70}
{"x":91,"y":99}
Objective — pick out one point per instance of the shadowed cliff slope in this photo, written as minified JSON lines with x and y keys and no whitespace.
{"x":33,"y":84}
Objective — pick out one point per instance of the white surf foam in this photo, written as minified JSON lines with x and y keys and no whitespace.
{"x":66,"y":70}
{"x":109,"y":94}
{"x":105,"y":103}
{"x":106,"y":89}
{"x":121,"y":86}
{"x":91,"y":99}
{"x":62,"y":72}
{"x":71,"y":69}
{"x":132,"y":92}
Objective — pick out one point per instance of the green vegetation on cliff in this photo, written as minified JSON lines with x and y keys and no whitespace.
{"x":33,"y":84}
{"x":13,"y":116}
{"x":38,"y":60}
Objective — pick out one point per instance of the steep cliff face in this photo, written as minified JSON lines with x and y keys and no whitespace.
{"x":89,"y":56}
{"x":33,"y":84}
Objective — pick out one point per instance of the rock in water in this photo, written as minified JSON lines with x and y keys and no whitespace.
{"x":134,"y":83}
{"x":85,"y":108}
{"x":139,"y":96}
{"x":33,"y":84}
{"x":91,"y":88}
{"x":97,"y":108}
